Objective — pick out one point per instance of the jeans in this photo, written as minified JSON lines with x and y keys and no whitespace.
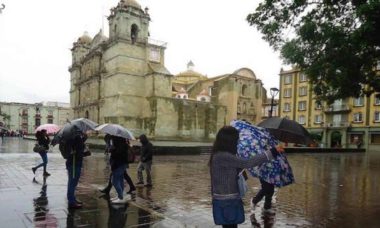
{"x":44,"y":160}
{"x":118,"y":180}
{"x":126,"y":177}
{"x":148,"y":167}
{"x":266,"y":190}
{"x":73,"y":173}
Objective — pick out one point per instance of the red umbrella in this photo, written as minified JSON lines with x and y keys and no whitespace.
{"x":50,"y":128}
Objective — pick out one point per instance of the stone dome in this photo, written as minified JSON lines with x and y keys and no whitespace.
{"x":85,"y":39}
{"x":132,"y":3}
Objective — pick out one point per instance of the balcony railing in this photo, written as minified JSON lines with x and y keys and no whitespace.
{"x":337,"y":124}
{"x":338,"y":108}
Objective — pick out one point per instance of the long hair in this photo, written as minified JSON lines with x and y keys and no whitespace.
{"x":226,"y":140}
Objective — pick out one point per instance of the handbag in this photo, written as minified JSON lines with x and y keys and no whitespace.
{"x":228,"y":211}
{"x":38,"y":148}
{"x":242,"y":184}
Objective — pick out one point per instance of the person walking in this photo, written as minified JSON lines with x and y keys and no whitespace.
{"x":225,"y":166}
{"x":267,"y":191}
{"x":42,"y":140}
{"x":119,"y":162}
{"x":132,"y":187}
{"x":146,"y":157}
{"x":74,"y":166}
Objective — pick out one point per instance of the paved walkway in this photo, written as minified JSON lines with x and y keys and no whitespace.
{"x":331,"y":191}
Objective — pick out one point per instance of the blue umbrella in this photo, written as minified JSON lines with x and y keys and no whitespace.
{"x":256,"y":140}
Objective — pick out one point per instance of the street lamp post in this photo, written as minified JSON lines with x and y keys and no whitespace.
{"x":273,"y":93}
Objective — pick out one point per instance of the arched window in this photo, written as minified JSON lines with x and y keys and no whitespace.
{"x":244,"y":107}
{"x":134,"y":33}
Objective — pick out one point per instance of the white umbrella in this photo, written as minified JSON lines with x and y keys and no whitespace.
{"x":115,"y":130}
{"x":84,"y":124}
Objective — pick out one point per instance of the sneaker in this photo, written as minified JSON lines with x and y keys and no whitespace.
{"x":118,"y":201}
{"x":140,"y":183}
{"x":127,"y":197}
{"x":78,"y":202}
{"x":34,"y":170}
{"x":46,"y":174}
{"x":114,"y":198}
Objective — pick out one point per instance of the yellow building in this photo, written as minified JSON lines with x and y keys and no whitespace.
{"x":241,"y":92}
{"x":347,"y":123}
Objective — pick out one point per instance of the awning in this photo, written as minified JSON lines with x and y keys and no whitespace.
{"x":374,"y":132}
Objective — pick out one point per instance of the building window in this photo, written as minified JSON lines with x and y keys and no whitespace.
{"x":358,"y":117}
{"x":288,"y":79}
{"x":318,"y":105}
{"x":154,"y":54}
{"x":287,"y":107}
{"x":244,"y":107}
{"x":302,"y":106}
{"x":303,"y":91}
{"x":134,"y":33}
{"x":377,"y":99}
{"x":303,"y":77}
{"x":377,"y":116}
{"x":301,"y":119}
{"x":244,"y":90}
{"x":318,"y":119}
{"x":356,"y":138}
{"x":210,"y":91}
{"x":359,"y":101}
{"x":288,"y":92}
{"x":238,"y":108}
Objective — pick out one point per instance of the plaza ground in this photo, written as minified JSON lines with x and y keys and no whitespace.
{"x":332,"y":190}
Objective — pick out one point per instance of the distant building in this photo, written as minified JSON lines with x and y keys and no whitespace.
{"x":267,"y":107}
{"x":240,"y":92}
{"x":27,"y":117}
{"x":345,"y":123}
{"x":122,"y":79}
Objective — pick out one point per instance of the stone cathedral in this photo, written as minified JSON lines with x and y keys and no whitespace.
{"x":122,"y":79}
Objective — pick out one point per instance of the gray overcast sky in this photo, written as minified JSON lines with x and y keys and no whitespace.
{"x":35,"y":38}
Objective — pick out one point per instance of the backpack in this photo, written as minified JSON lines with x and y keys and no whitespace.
{"x":65,"y":150}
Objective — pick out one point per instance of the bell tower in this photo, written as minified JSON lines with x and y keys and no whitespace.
{"x":129,"y":22}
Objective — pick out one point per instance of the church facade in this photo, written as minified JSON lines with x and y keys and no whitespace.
{"x":122,"y":79}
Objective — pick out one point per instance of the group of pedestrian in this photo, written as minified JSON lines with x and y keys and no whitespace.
{"x":224,"y":165}
{"x":120,"y":148}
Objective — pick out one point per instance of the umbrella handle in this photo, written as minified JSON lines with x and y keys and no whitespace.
{"x":74,"y":166}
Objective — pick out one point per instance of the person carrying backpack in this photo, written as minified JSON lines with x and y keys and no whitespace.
{"x":74,"y":152}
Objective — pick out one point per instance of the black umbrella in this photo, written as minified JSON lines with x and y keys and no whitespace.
{"x":287,"y":130}
{"x":71,"y":129}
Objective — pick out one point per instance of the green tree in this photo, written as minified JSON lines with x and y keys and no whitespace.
{"x":336,"y":43}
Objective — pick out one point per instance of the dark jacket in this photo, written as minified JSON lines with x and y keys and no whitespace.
{"x":146,"y":149}
{"x":119,"y":152}
{"x":78,"y":146}
{"x":43,"y":140}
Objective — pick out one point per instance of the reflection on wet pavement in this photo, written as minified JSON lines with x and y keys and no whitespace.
{"x":332,"y":190}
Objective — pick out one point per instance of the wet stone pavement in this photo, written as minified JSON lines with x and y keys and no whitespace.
{"x":332,"y":190}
